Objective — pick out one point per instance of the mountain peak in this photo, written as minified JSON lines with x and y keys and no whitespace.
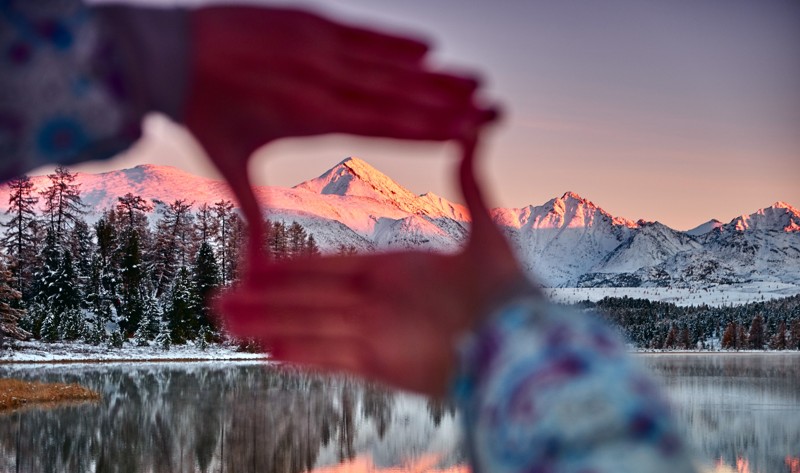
{"x":355,"y":177}
{"x":569,"y":195}
{"x":359,"y":166}
{"x":779,"y":216}
{"x":785,"y":205}
{"x":704,"y":228}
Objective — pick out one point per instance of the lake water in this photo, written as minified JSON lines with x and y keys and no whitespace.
{"x":741,"y":411}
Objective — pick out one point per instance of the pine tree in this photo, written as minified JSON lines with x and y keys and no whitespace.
{"x":149,"y":323}
{"x":44,"y":277}
{"x":163,"y":339}
{"x":173,"y":241}
{"x":19,"y":240}
{"x":143,"y":331}
{"x":82,"y":248}
{"x":63,"y":204}
{"x":224,"y":234}
{"x":101,"y":286}
{"x":206,"y":281}
{"x":296,"y":240}
{"x":58,"y":306}
{"x":181,"y":308}
{"x":346,"y":250}
{"x":205,"y":224}
{"x":729,"y":337}
{"x":132,"y":294}
{"x":672,"y":338}
{"x":10,"y":315}
{"x":311,"y":250}
{"x":133,"y":209}
{"x":236,"y":244}
{"x":277,"y":241}
{"x":778,"y":340}
{"x":683,"y":339}
{"x":755,"y":338}
{"x":794,"y":335}
{"x":741,"y":337}
{"x":67,"y":300}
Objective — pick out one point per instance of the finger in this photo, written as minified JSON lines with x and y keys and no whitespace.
{"x":320,"y":322}
{"x":230,"y":158}
{"x":411,"y":85}
{"x":331,"y":273}
{"x":342,"y":354}
{"x":289,"y":75}
{"x":365,"y":43}
{"x":292,"y":100}
{"x":270,"y":298}
{"x":485,"y":235}
{"x":471,"y":190}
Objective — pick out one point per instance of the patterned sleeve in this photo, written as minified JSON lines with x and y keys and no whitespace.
{"x":76,"y":81}
{"x":545,"y":389}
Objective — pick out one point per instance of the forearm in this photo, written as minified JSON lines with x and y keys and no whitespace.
{"x":544,"y":388}
{"x":78,"y":80}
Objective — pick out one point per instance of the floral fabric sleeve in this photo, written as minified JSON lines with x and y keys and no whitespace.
{"x":545,"y":389}
{"x":75,"y":81}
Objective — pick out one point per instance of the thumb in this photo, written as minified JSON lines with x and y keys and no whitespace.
{"x":484,"y":232}
{"x":231,"y":161}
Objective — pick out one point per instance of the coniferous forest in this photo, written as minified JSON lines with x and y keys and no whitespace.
{"x":773,"y":325}
{"x":143,"y":271}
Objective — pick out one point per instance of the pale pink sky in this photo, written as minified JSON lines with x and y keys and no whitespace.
{"x":672,"y":111}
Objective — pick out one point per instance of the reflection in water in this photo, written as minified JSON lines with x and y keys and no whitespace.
{"x":223,"y":418}
{"x":425,"y":464}
{"x":742,"y":465}
{"x":741,"y":411}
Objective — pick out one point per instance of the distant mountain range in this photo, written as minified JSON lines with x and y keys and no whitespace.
{"x":566,"y":242}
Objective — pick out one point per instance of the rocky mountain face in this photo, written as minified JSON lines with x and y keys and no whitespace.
{"x":568,"y":241}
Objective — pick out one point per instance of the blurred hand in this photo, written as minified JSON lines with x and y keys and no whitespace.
{"x":260,"y":74}
{"x":393,"y":317}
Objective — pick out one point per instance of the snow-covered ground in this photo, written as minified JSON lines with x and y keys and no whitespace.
{"x":36,"y":351}
{"x":715,"y":296}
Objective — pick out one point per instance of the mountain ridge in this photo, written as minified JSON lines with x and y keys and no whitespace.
{"x":567,"y":241}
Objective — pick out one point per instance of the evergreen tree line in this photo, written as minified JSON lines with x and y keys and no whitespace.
{"x":143,"y":270}
{"x":661,"y":325}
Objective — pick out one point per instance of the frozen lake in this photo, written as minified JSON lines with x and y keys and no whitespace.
{"x":741,"y":411}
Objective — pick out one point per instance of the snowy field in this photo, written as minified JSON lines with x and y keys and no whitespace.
{"x":715,"y":296}
{"x":42,"y":352}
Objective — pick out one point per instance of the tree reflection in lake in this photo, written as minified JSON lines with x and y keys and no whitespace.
{"x":741,"y":411}
{"x":219,"y":418}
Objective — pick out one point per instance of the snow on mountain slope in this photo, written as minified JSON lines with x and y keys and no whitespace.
{"x":704,"y":228}
{"x":650,"y":246}
{"x":166,"y":183}
{"x":564,"y":238}
{"x":345,"y":205}
{"x":764,"y":244}
{"x":640,"y":260}
{"x":568,"y":241}
{"x":354,"y":177}
{"x":330,"y":235}
{"x":414,"y":232}
{"x":780,"y":216}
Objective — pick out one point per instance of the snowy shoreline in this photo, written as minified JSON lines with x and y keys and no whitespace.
{"x":63,"y":353}
{"x":40,"y":353}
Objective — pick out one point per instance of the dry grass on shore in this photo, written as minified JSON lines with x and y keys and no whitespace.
{"x":15,"y":393}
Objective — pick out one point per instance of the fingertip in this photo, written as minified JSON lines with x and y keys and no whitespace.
{"x":492,"y":114}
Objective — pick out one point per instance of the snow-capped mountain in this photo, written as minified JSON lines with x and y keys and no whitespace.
{"x":564,"y":238}
{"x":704,"y":228}
{"x":567,"y":241}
